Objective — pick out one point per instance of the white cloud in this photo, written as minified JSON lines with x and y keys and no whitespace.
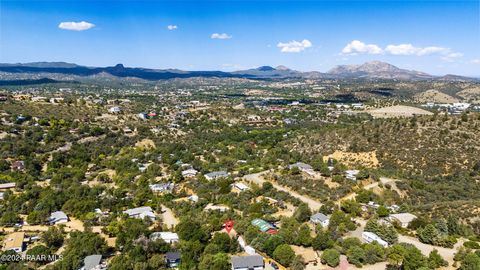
{"x":220,"y":36}
{"x":172,"y":27}
{"x":294,"y":46}
{"x":409,"y":49}
{"x":475,"y":61}
{"x":356,"y":47}
{"x":76,"y":26}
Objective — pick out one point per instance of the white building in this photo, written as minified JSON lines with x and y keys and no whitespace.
{"x":370,"y":237}
{"x":189,"y":173}
{"x":141,"y":212}
{"x":320,"y":218}
{"x":240,"y":186}
{"x":303,"y":167}
{"x":57,"y":218}
{"x":168,"y":237}
{"x":161,"y":188}
{"x":351,"y":174}
{"x":114,"y":109}
{"x":403,"y":219}
{"x":216,"y":175}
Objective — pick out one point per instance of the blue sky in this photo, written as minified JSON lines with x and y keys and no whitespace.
{"x":439,"y":37}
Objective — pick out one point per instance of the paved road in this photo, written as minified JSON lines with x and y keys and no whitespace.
{"x":258,"y":179}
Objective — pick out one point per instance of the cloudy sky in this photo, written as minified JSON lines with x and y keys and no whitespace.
{"x":439,"y":37}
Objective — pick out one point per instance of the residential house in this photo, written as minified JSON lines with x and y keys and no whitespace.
{"x":403,"y":219}
{"x":14,"y":241}
{"x":93,"y":262}
{"x":371,"y":237}
{"x":161,"y":188}
{"x":303,"y":167}
{"x":351,"y":174}
{"x":252,"y":262}
{"x":240,"y":186}
{"x":193,"y":198}
{"x":168,"y":237}
{"x":142,"y":116}
{"x":320,"y":218}
{"x":213,"y":207}
{"x":57,"y":218}
{"x":189,"y":173}
{"x":141,"y":212}
{"x":114,"y":110}
{"x":216,"y":175}
{"x":173,"y":258}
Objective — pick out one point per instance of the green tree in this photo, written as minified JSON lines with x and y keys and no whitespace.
{"x":356,"y":255}
{"x":322,"y":241}
{"x":219,"y":261}
{"x":284,"y":255}
{"x":382,"y":211}
{"x":302,"y":213}
{"x":470,"y":262}
{"x":53,"y":237}
{"x":413,"y":259}
{"x":303,"y":236}
{"x":435,"y":260}
{"x":374,"y":253}
{"x":331,"y":257}
{"x":351,"y":207}
{"x":298,"y":263}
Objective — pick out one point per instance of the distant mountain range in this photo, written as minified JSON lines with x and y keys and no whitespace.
{"x":370,"y":71}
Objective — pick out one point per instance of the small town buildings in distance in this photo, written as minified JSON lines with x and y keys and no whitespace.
{"x":320,"y":218}
{"x":351,"y":174}
{"x":403,"y":219}
{"x":93,"y":262}
{"x":142,"y":116}
{"x":216,"y":175}
{"x":371,"y":237}
{"x":141,"y":212}
{"x":251,"y":262}
{"x":162,"y":188}
{"x":193,"y":198}
{"x":14,"y":241}
{"x":2,"y":194}
{"x":212,"y":207}
{"x":168,"y":237}
{"x":240,"y":186}
{"x":303,"y":167}
{"x":57,"y":217}
{"x":172,"y":259}
{"x":189,"y":173}
{"x":115,"y":110}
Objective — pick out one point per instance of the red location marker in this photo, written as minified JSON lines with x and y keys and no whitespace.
{"x":228,"y":225}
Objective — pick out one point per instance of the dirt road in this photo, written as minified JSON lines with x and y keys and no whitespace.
{"x":168,"y":217}
{"x":258,"y":179}
{"x":446,"y":253}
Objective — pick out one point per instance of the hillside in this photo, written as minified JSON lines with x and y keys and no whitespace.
{"x":426,"y":146}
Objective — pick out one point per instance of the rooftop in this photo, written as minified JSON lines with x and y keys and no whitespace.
{"x":247,"y":261}
{"x":14,"y":240}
